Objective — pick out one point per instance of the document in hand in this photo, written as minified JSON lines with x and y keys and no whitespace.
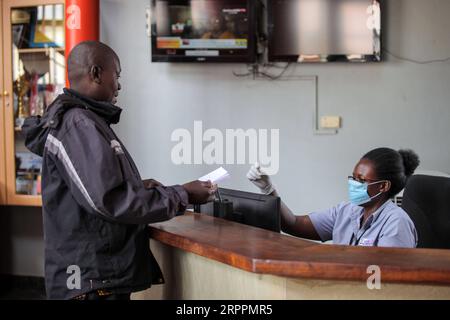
{"x":216,"y":176}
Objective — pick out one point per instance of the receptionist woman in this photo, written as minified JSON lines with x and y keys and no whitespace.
{"x":370,"y":218}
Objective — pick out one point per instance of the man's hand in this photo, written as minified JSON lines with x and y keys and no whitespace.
{"x":260,"y":179}
{"x":200,"y":192}
{"x":151,"y":183}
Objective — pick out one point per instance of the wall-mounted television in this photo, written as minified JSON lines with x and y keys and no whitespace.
{"x":324,"y":30}
{"x":203,"y":31}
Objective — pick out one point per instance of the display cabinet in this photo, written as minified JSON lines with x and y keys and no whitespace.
{"x":33,"y":75}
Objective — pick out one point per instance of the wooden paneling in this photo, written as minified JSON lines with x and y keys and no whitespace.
{"x":260,"y":251}
{"x":2,"y":121}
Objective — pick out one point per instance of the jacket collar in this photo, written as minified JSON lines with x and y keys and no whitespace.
{"x":106,"y":110}
{"x":36,"y":128}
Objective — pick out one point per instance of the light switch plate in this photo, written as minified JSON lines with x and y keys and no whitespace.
{"x":330,"y":122}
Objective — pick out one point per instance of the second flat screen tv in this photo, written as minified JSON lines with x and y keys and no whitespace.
{"x":203,"y":31}
{"x":324,"y":30}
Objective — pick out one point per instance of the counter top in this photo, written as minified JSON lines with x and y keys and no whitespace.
{"x":260,"y":251}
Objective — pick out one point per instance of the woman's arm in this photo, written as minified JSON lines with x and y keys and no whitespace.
{"x":299,"y":226}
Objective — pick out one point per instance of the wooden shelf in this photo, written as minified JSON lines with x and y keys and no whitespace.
{"x":40,"y":50}
{"x":15,"y":199}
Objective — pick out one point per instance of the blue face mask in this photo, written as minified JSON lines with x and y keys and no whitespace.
{"x":357,"y":192}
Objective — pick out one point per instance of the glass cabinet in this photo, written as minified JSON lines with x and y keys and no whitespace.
{"x":33,"y":74}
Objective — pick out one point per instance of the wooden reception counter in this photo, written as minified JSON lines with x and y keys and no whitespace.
{"x":203,"y":257}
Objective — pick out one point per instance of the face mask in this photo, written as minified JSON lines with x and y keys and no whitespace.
{"x":357,"y":192}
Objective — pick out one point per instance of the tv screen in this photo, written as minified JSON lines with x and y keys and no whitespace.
{"x":324,"y":30}
{"x":203,"y":31}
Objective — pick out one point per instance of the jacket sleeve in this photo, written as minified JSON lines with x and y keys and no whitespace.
{"x":102,"y":181}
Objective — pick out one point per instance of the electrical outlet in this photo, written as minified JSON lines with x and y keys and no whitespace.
{"x":330,"y":122}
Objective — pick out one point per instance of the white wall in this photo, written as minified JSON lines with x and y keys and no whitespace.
{"x":395,"y":104}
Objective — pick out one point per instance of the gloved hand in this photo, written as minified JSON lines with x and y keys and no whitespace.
{"x":260,"y":179}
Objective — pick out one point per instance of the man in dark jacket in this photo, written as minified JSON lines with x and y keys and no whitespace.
{"x":96,"y":206}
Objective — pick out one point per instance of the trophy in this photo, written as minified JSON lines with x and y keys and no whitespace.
{"x":21,"y":87}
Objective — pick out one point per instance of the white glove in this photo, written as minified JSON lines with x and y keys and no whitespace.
{"x":260,"y":179}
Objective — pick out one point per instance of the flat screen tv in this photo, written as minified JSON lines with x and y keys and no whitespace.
{"x":203,"y":31}
{"x":324,"y":30}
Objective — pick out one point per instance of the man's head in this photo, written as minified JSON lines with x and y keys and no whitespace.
{"x":94,"y":71}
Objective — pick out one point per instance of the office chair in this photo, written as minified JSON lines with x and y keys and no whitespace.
{"x":426,"y":199}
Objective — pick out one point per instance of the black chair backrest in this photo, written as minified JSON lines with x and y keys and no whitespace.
{"x":426,"y":199}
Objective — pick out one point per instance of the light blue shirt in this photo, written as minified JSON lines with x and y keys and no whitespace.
{"x":389,"y":226}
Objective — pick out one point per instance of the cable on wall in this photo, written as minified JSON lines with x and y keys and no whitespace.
{"x":421,"y":62}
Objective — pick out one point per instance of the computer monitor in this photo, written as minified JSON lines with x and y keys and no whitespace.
{"x":258,"y":210}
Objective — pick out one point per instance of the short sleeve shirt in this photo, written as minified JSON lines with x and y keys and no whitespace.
{"x":389,"y":226}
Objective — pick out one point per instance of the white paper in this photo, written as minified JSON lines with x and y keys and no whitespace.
{"x":216,"y":176}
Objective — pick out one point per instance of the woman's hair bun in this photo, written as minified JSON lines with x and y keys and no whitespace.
{"x":410,"y":161}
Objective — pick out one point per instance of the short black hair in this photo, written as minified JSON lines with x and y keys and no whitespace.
{"x":86,"y":54}
{"x":395,"y":166}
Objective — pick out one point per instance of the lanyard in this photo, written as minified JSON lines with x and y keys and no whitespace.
{"x":366,"y":227}
{"x":357,"y":239}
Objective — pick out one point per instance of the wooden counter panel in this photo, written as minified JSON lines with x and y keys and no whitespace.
{"x":260,"y":251}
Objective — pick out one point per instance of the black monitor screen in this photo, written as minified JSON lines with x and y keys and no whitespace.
{"x":324,"y":30}
{"x":257,"y":210}
{"x":202,"y":30}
